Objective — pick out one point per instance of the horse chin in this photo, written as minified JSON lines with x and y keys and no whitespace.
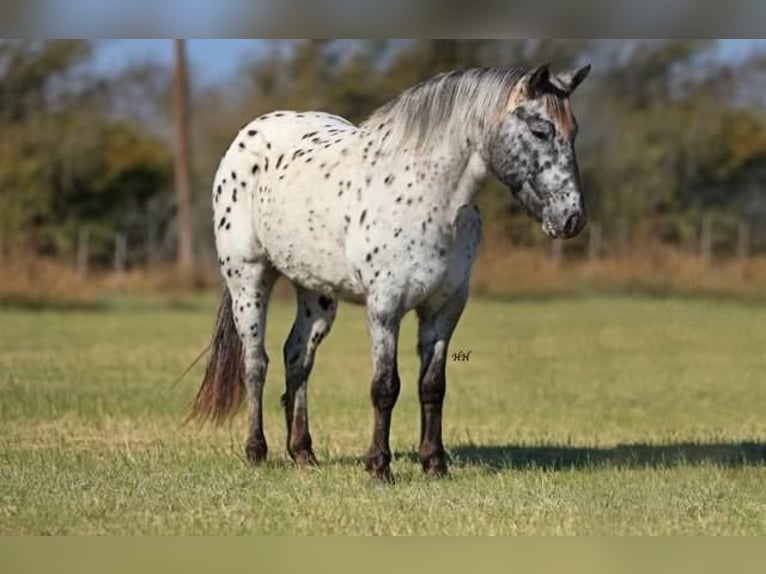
{"x":550,"y":230}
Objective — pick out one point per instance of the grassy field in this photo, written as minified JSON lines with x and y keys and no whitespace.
{"x":579,"y":415}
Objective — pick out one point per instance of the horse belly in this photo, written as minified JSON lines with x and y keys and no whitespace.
{"x":319,"y":266}
{"x":304,"y":237}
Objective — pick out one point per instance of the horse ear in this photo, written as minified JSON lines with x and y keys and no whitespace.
{"x":536,"y":79}
{"x":574,"y":78}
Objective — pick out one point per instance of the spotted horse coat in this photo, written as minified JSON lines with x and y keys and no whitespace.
{"x":385,"y":214}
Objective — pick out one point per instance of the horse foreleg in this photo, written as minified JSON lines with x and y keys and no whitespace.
{"x":435,"y":329}
{"x":384,"y":332}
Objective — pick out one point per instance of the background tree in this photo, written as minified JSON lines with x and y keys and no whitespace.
{"x":672,"y":137}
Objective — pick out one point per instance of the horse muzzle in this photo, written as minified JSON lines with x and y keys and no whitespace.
{"x":564,"y":225}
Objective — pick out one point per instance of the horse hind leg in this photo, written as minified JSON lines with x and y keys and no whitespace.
{"x":250,"y":286}
{"x":313,"y":321}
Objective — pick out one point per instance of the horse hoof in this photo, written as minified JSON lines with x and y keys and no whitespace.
{"x":382,"y":475}
{"x":435,"y":468}
{"x":305,"y":458}
{"x":256,"y":452}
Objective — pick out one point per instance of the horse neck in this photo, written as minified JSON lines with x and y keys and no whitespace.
{"x":459,"y":159}
{"x":464,"y":171}
{"x":470,"y":182}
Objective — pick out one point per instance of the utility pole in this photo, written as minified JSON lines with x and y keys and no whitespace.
{"x":182,"y":177}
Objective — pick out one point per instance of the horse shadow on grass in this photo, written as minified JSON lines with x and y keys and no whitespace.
{"x":637,"y":455}
{"x":500,"y":458}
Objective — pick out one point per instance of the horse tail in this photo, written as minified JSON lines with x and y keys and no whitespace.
{"x":223,"y":387}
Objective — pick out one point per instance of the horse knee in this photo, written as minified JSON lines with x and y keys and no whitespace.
{"x":432,"y":382}
{"x":385,"y":390}
{"x":433,"y":393}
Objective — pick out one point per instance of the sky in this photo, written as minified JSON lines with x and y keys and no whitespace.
{"x":215,"y":61}
{"x":212,"y":61}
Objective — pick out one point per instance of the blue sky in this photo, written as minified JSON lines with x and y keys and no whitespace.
{"x":89,"y":18}
{"x":214,"y":61}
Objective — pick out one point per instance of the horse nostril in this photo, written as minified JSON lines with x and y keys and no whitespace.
{"x":572,"y":224}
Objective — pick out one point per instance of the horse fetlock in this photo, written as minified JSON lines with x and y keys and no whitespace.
{"x":256,"y":450}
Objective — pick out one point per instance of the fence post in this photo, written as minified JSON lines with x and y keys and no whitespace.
{"x":743,"y":241}
{"x":120,"y":252}
{"x":623,"y":234}
{"x":594,"y":241}
{"x":706,"y":238}
{"x":151,"y":240}
{"x":83,"y":238}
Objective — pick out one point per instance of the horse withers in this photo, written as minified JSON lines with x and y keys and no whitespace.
{"x":385,"y":214}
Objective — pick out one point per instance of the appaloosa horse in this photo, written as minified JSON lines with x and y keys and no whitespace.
{"x":382,"y":213}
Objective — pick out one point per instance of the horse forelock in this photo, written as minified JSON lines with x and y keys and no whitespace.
{"x":555,"y":99}
{"x":560,"y":110}
{"x":454,"y":104}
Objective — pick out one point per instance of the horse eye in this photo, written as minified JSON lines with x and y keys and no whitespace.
{"x":541,"y":130}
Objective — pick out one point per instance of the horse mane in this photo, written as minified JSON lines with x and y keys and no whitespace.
{"x":452,"y":104}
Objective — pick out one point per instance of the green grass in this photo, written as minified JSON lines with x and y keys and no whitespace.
{"x":573,"y":416}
